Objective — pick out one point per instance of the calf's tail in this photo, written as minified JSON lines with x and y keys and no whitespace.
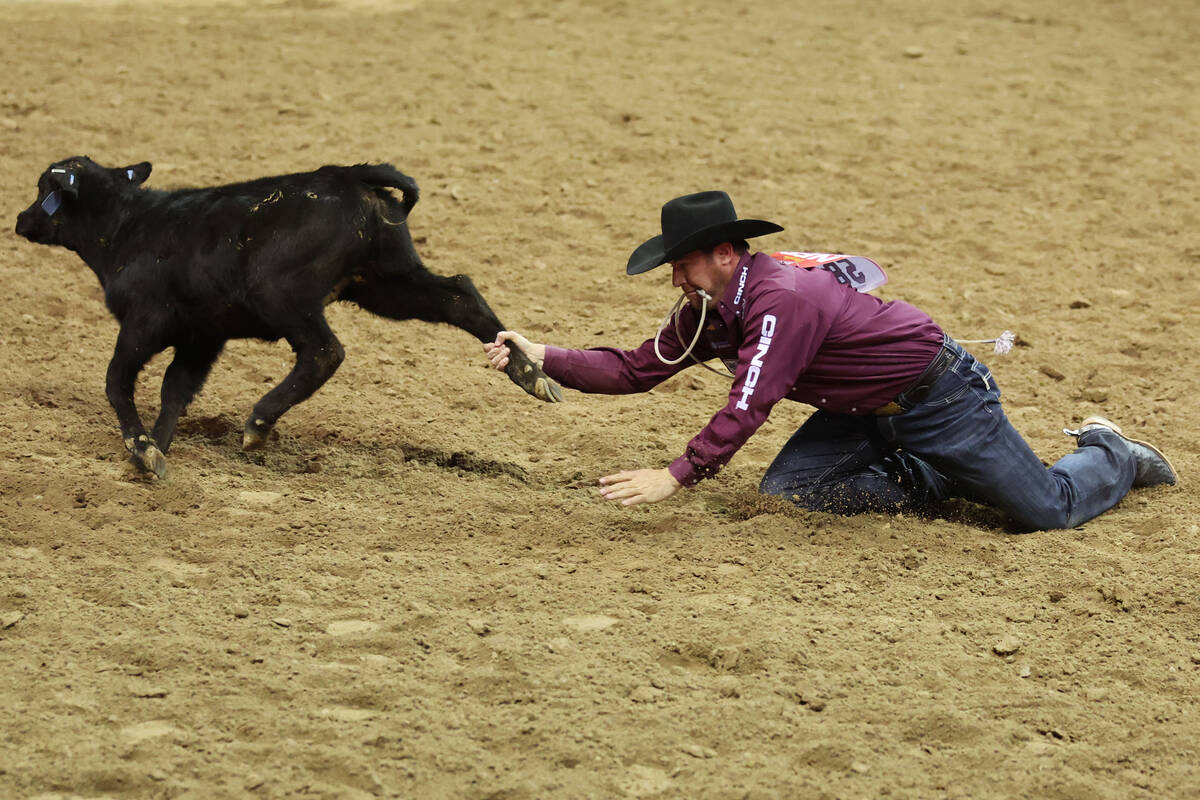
{"x":385,"y":175}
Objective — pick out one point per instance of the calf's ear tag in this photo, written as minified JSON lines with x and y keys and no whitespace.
{"x":51,"y":203}
{"x":135,"y":173}
{"x":65,"y":179}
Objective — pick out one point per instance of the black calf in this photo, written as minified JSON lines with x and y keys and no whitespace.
{"x":194,"y":268}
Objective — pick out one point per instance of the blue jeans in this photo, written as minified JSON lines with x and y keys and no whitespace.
{"x":956,"y":442}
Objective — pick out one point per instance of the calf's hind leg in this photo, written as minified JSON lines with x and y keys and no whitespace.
{"x":455,"y":301}
{"x":318,"y":355}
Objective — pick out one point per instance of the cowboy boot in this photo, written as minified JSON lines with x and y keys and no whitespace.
{"x":1153,"y":468}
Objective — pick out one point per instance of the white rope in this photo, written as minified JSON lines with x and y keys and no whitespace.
{"x":674,"y":314}
{"x":1004,"y":342}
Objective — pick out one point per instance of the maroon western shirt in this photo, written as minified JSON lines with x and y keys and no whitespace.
{"x":784,"y":332}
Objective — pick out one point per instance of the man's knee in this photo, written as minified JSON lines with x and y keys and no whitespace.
{"x":806,"y":495}
{"x":1047,"y":518}
{"x":776,"y":485}
{"x":830,"y":499}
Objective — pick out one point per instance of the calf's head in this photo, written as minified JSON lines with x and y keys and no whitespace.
{"x":72,"y":189}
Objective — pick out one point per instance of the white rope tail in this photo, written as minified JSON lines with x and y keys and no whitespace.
{"x":1003,"y":343}
{"x":666,"y":320}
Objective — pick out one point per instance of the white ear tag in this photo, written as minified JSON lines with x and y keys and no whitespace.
{"x":129,"y":174}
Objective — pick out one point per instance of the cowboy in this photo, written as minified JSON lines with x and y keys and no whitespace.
{"x":905,"y":417}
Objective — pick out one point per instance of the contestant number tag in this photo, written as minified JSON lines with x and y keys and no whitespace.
{"x":856,"y":272}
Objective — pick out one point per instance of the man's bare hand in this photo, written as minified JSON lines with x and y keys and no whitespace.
{"x":497,"y":351}
{"x":636,"y":486}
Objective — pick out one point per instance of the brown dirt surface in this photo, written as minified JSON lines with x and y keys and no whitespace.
{"x":415,"y":590}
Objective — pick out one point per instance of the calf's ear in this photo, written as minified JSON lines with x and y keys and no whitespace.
{"x":137,"y":173}
{"x":66,"y":180}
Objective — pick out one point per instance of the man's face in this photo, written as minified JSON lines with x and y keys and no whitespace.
{"x":696,"y":270}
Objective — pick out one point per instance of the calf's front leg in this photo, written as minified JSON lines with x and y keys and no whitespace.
{"x":131,"y":353}
{"x":183,"y":379}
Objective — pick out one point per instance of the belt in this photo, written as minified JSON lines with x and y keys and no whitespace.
{"x":919,"y":389}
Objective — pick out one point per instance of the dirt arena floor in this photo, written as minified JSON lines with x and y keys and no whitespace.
{"x":415,"y":590}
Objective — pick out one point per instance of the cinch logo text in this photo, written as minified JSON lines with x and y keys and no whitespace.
{"x":764,"y":344}
{"x":737,"y":298}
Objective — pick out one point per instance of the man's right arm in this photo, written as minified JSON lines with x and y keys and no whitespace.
{"x":600,"y":370}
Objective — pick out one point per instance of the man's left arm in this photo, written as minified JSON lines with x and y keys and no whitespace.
{"x":783,"y":334}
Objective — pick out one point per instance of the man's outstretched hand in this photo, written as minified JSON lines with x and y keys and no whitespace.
{"x":497,"y":351}
{"x":636,"y":486}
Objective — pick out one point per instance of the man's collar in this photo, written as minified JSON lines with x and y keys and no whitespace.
{"x":735,"y":290}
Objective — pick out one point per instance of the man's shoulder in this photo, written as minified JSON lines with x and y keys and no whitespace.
{"x":765,"y":272}
{"x":768,"y":276}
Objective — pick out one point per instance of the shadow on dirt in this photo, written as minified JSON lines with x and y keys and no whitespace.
{"x":315,"y":446}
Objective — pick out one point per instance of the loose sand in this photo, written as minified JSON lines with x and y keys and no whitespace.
{"x":415,"y":591}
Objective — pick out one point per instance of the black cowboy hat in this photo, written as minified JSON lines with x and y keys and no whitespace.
{"x":692,"y":222}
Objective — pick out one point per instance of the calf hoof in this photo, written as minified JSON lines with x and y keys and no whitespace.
{"x":529,"y":376}
{"x":254,"y":437}
{"x":146,"y":456}
{"x":547,"y":389}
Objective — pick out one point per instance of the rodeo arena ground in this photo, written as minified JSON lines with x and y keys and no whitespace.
{"x":411,"y":584}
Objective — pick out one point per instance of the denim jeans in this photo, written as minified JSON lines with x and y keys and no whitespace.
{"x":956,"y":442}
